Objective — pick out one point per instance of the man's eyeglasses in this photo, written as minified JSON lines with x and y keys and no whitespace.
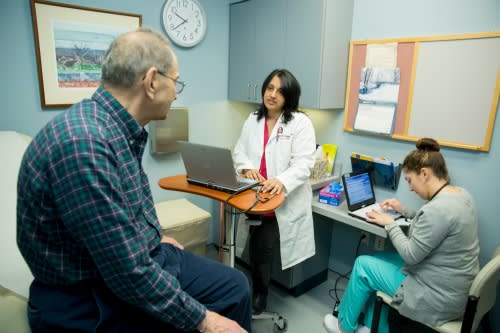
{"x":179,"y":85}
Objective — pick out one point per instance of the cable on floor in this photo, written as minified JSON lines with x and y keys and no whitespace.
{"x":340,"y":276}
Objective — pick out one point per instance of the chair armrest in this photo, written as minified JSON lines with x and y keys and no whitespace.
{"x":386,"y":299}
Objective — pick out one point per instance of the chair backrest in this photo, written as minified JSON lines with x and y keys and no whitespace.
{"x":14,"y":273}
{"x":15,"y":276}
{"x":484,"y":287}
{"x":13,"y":312}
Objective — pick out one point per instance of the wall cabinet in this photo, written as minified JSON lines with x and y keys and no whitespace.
{"x":310,"y":38}
{"x":257,"y":30}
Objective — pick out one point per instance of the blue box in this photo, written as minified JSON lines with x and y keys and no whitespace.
{"x":332,"y":194}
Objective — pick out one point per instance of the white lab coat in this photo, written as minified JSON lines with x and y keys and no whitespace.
{"x":290,"y":158}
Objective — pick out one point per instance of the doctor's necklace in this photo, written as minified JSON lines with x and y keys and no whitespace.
{"x":439,"y":190}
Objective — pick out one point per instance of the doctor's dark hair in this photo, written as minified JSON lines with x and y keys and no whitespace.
{"x":426,"y":155}
{"x":290,"y":89}
{"x":131,"y":54}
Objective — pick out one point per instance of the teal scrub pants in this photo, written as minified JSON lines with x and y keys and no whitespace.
{"x":371,"y":273}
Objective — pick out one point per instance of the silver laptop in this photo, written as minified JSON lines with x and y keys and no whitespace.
{"x":360,"y":197}
{"x":212,"y":167}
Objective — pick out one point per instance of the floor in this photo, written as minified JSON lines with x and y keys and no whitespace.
{"x":304,"y":314}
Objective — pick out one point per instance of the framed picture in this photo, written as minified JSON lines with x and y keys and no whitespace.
{"x":70,"y":43}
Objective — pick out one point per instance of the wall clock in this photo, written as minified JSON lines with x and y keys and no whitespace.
{"x":184,"y":21}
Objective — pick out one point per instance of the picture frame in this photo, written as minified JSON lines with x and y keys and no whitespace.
{"x":70,"y":42}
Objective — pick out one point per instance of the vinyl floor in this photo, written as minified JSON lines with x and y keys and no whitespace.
{"x":304,"y":314}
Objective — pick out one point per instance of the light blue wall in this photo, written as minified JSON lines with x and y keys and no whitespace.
{"x":204,"y":68}
{"x":474,"y":171}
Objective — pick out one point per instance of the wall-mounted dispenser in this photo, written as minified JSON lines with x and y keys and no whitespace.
{"x":164,"y":134}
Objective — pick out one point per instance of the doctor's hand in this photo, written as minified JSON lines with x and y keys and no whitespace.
{"x":215,"y":323}
{"x":253,"y":174}
{"x":273,"y":186}
{"x":379,"y":218}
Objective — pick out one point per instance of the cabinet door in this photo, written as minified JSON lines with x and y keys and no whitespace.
{"x":269,"y":40}
{"x":304,"y":46}
{"x":242,"y":51}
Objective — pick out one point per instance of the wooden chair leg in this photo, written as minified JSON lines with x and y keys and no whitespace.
{"x":376,"y":314}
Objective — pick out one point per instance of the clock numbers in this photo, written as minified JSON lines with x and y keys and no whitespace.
{"x":184,"y":21}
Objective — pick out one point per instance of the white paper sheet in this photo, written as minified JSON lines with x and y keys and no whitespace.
{"x":377,"y":118}
{"x":381,"y":55}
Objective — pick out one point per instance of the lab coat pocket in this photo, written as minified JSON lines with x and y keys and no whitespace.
{"x":282,"y":152}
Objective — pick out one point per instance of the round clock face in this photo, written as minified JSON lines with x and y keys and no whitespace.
{"x":184,"y":21}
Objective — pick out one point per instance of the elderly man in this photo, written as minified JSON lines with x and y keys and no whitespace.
{"x":86,"y":220}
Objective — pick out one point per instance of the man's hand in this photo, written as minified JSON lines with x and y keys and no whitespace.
{"x":215,"y":323}
{"x":170,"y":240}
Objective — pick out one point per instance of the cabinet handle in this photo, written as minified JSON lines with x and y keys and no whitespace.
{"x":255,"y":92}
{"x":249,"y":96}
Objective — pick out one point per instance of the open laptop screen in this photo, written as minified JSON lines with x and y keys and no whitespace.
{"x":358,"y":189}
{"x":212,"y":167}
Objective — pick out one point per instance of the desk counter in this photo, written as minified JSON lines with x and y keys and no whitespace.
{"x":339,"y":214}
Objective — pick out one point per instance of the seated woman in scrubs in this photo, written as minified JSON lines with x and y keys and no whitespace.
{"x":430,"y":274}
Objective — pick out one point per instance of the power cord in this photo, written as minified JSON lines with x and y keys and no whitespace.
{"x":346,"y":276}
{"x":335,"y":311}
{"x":259,"y":198}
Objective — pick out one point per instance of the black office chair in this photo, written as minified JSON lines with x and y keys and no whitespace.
{"x":280,"y":323}
{"x":482,"y":297}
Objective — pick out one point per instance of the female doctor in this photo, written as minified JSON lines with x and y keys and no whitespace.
{"x":277,"y":146}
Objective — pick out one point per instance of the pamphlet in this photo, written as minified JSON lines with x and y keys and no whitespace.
{"x":329,"y":153}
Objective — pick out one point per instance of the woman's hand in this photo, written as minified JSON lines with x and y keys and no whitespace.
{"x":273,"y":186}
{"x":392,"y":204}
{"x":379,"y":218}
{"x":253,"y":174}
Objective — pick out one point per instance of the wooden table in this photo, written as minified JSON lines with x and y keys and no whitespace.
{"x":240,"y":202}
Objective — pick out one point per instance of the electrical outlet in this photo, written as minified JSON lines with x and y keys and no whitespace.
{"x":379,"y":244}
{"x":366,"y":239}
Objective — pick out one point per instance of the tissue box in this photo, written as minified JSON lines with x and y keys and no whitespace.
{"x":331,"y":194}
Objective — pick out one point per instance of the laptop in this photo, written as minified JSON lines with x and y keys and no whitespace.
{"x":360,"y":197}
{"x":212,"y":167}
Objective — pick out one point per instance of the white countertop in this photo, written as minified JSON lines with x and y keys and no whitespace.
{"x":339,"y":214}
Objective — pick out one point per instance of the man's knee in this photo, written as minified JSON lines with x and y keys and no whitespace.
{"x":240,"y":287}
{"x":241,"y":281}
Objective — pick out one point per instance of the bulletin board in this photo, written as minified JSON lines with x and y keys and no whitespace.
{"x":448,"y":88}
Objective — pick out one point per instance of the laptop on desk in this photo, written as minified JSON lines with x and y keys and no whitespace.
{"x":360,"y":197}
{"x":212,"y":167}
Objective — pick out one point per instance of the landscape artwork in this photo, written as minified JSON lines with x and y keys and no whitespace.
{"x":79,"y":51}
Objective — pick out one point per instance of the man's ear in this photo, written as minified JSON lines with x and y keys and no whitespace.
{"x":149,"y":82}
